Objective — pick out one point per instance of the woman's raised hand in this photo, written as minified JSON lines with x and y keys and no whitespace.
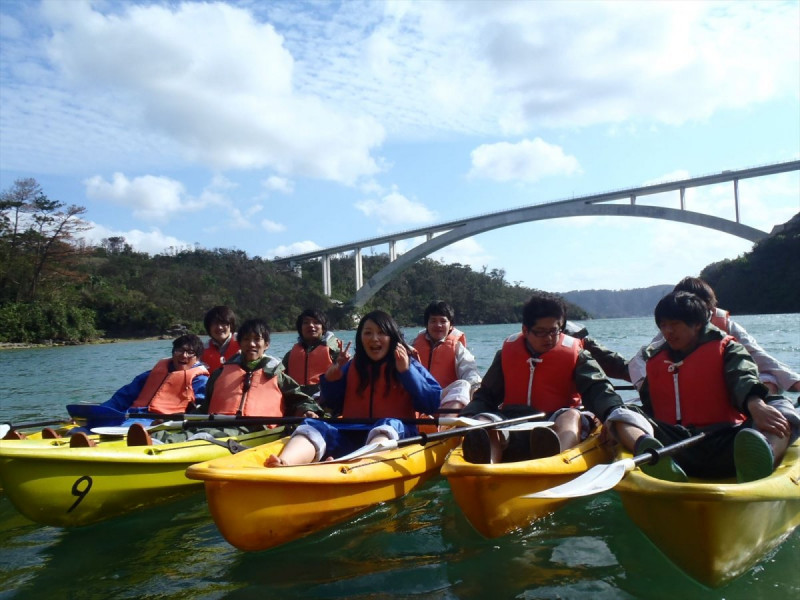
{"x":401,"y":358}
{"x":334,"y":372}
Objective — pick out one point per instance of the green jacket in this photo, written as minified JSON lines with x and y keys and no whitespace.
{"x":596,"y":391}
{"x":295,"y":402}
{"x":741,"y":373}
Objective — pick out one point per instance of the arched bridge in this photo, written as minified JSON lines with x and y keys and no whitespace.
{"x":592,"y":205}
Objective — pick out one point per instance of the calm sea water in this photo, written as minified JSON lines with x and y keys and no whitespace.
{"x":420,"y":546}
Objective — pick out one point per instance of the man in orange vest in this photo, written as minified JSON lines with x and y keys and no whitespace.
{"x":174,"y":385}
{"x":700,"y":379}
{"x":316,"y":349}
{"x":540,"y":369}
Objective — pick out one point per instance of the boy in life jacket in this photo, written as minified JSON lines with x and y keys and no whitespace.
{"x":540,"y":369}
{"x":220,"y":322}
{"x":382,"y":382}
{"x":442,"y":349}
{"x":254,"y":384}
{"x":701,"y":379}
{"x":773,"y":373}
{"x":174,"y":385}
{"x":316,"y":349}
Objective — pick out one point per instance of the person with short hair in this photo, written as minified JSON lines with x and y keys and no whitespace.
{"x":442,"y":349}
{"x":174,"y":385}
{"x":316,"y":349}
{"x":700,"y":379}
{"x":254,"y":384}
{"x":220,"y":322}
{"x":773,"y":373}
{"x":539,"y":369}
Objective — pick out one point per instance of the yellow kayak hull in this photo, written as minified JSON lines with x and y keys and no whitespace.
{"x":716,"y":531}
{"x":256,"y":507}
{"x":53,"y":484}
{"x":490,"y":496}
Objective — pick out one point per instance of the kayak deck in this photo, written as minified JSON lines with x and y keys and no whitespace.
{"x":53,"y":484}
{"x":491,"y":495}
{"x":256,"y":507}
{"x":715,"y":531}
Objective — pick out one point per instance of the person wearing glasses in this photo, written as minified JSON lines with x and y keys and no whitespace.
{"x":539,"y":369}
{"x":174,"y":385}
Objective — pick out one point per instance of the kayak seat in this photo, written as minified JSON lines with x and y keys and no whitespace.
{"x":80,"y":440}
{"x":139,"y":436}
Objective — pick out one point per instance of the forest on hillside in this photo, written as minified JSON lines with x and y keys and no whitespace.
{"x":55,"y":287}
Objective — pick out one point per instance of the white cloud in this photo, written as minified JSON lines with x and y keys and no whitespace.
{"x":467,"y":252}
{"x":291,"y":249}
{"x":272,"y":226}
{"x":229,"y":102}
{"x":151,"y":198}
{"x":394,"y":209}
{"x":527,"y":160}
{"x":279,"y":184}
{"x":152,"y":242}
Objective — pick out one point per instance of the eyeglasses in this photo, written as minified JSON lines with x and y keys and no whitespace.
{"x":545,"y":333}
{"x":185,"y":351}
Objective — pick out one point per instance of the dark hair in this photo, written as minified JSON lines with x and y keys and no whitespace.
{"x":258,"y":326}
{"x":699,"y":288}
{"x":681,"y":306}
{"x":315,"y":314}
{"x":366,"y":368}
{"x":543,"y":305}
{"x":190,"y":340}
{"x":223,"y":314}
{"x":439,"y":309}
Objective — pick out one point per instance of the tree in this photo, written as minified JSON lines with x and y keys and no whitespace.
{"x":37,"y":238}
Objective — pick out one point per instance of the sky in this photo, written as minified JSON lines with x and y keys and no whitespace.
{"x":285,"y":126}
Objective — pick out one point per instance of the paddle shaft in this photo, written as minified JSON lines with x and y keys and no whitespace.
{"x":424,"y":438}
{"x":40,"y":424}
{"x":234,"y":421}
{"x":652,"y":455}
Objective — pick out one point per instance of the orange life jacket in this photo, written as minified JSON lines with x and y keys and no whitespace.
{"x":545,"y":383}
{"x":246,"y":393}
{"x":306,"y":367}
{"x":438,"y":357}
{"x":692,"y":391}
{"x":167,"y":392}
{"x":213,"y":358}
{"x":373,"y":402}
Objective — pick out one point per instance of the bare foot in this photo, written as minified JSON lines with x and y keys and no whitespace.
{"x":328,"y":459}
{"x":274,"y":461}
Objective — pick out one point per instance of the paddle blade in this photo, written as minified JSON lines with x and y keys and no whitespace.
{"x":369,"y":449}
{"x":599,"y":478}
{"x":4,"y":429}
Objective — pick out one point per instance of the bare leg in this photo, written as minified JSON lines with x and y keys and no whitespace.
{"x":779,"y":446}
{"x":627,"y":434}
{"x":297,"y":451}
{"x":568,"y":428}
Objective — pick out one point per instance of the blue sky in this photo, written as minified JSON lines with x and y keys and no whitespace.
{"x":280,"y":127}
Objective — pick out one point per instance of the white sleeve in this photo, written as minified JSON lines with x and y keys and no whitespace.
{"x":766,"y":364}
{"x":637,"y":368}
{"x":466,"y":367}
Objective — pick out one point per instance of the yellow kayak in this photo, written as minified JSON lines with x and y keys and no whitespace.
{"x":490,"y":495}
{"x":256,"y":507}
{"x":51,"y":483}
{"x":716,"y":531}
